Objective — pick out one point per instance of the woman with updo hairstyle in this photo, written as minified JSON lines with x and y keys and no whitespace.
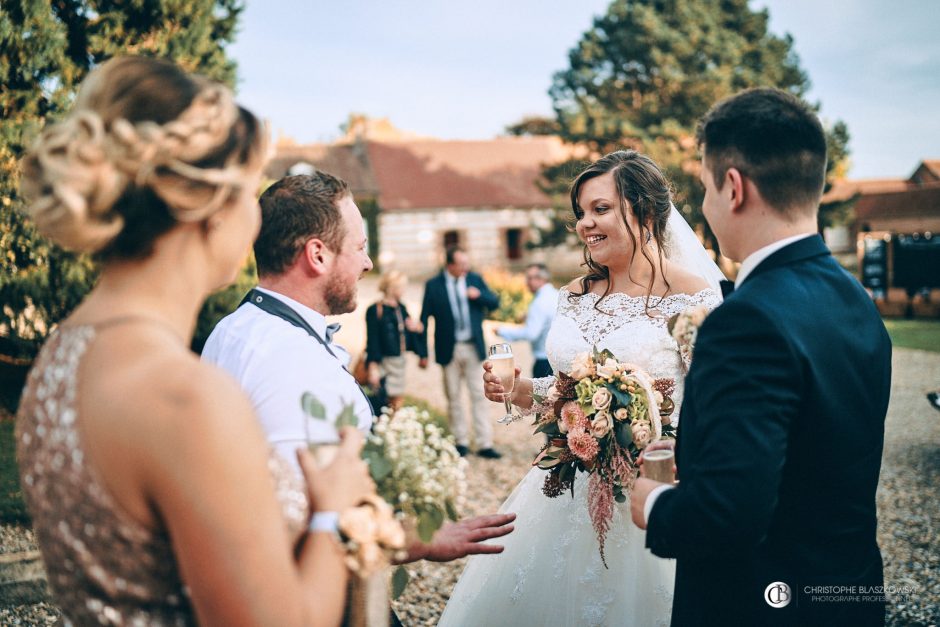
{"x":154,"y":495}
{"x":390,"y":333}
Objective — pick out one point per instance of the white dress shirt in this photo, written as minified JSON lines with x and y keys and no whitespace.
{"x":747,"y":266}
{"x":459,"y":306}
{"x":538,"y":320}
{"x":275,"y":363}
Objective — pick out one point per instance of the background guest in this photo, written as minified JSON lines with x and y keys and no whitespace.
{"x":538,"y":319}
{"x":458,"y":300}
{"x":390,"y":332}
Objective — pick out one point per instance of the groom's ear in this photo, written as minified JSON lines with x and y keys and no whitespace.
{"x":736,"y":185}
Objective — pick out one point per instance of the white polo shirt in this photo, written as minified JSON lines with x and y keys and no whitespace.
{"x":276,"y":363}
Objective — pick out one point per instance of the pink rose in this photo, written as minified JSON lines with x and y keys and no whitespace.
{"x":601,"y":424}
{"x":601,"y":399}
{"x":642,"y":433}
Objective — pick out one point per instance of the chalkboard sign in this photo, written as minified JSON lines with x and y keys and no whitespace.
{"x":916,"y":262}
{"x":875,"y":265}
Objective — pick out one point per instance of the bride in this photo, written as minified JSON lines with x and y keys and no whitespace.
{"x":644,"y":265}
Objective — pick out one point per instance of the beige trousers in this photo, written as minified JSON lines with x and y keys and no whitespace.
{"x":466,"y":365}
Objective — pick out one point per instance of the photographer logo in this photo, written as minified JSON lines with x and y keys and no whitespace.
{"x":778,"y":594}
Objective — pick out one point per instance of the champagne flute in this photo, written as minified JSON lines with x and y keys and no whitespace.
{"x":504,"y":367}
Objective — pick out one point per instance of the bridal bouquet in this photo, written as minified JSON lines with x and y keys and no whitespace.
{"x":598,"y":418}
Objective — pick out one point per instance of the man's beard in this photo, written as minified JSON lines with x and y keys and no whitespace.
{"x":340,"y":297}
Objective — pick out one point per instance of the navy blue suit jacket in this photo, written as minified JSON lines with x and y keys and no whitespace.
{"x":779,"y":450}
{"x":437,"y":305}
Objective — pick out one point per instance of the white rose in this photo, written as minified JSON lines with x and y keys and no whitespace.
{"x":582,"y":366}
{"x":601,"y":424}
{"x":601,"y":399}
{"x":621,"y":414}
{"x":608,"y":369}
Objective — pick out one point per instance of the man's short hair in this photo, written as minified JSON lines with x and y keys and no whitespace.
{"x":294,"y":210}
{"x":451,"y":252}
{"x":542,"y":269}
{"x":772,"y":138}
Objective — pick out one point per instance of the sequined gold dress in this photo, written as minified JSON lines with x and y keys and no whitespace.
{"x":103,"y":566}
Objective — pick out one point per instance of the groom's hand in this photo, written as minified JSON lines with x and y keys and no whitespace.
{"x":641,"y":490}
{"x":459,"y":539}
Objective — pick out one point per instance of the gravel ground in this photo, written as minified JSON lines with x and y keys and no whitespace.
{"x":908,"y":495}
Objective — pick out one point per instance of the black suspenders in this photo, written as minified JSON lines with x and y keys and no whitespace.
{"x":279,"y":308}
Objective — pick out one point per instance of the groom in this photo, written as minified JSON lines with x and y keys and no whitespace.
{"x":782,"y":424}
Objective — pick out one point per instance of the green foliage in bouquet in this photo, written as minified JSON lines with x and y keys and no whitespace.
{"x":514,"y":297}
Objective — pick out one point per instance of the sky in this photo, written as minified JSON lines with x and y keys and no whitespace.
{"x":466,"y":70}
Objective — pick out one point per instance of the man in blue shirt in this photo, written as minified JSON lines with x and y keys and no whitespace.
{"x":538,"y":319}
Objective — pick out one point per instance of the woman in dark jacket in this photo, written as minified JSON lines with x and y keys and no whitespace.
{"x":390,"y":332}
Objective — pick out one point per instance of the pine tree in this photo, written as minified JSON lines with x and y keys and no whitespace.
{"x":46,"y":49}
{"x":648,"y":70}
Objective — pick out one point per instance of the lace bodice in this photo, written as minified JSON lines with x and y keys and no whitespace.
{"x":625,"y":327}
{"x":103,"y":566}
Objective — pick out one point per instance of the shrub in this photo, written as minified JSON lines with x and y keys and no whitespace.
{"x":514,"y":296}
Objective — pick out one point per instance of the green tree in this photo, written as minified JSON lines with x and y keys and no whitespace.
{"x":644,"y":74}
{"x":46,"y":49}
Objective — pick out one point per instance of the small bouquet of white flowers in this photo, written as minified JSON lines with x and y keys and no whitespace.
{"x":419,"y":476}
{"x":417,"y":470}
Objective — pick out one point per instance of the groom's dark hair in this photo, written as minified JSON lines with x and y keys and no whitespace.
{"x":772,"y":138}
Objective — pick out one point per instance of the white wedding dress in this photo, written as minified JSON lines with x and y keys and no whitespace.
{"x":551,"y":572}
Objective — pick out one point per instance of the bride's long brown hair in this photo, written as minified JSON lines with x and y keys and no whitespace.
{"x":642,"y":188}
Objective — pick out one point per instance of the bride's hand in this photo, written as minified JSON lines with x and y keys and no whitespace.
{"x":492,"y":386}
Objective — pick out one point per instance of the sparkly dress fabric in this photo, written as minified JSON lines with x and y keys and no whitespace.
{"x":103,"y":566}
{"x":550,"y":572}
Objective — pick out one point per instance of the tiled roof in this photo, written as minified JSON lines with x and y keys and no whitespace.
{"x":347,"y":161}
{"x":919,"y":201}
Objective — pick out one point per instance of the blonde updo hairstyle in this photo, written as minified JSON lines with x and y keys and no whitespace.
{"x":146,"y":146}
{"x":390,"y":280}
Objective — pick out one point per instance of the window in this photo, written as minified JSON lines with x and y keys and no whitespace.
{"x":514,"y":244}
{"x":451,"y":238}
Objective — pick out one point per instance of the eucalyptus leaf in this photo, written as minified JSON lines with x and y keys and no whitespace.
{"x":347,"y":417}
{"x":312,"y":406}
{"x":400,"y":579}
{"x":379,"y":467}
{"x":548,"y":462}
{"x":451,"y":510}
{"x":622,"y":397}
{"x":620,"y":498}
{"x":429,"y":521}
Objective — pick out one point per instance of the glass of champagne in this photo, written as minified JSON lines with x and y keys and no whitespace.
{"x":659,"y":465}
{"x":504,"y":367}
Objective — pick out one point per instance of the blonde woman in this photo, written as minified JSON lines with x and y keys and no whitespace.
{"x":155,"y":497}
{"x":390,"y":332}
